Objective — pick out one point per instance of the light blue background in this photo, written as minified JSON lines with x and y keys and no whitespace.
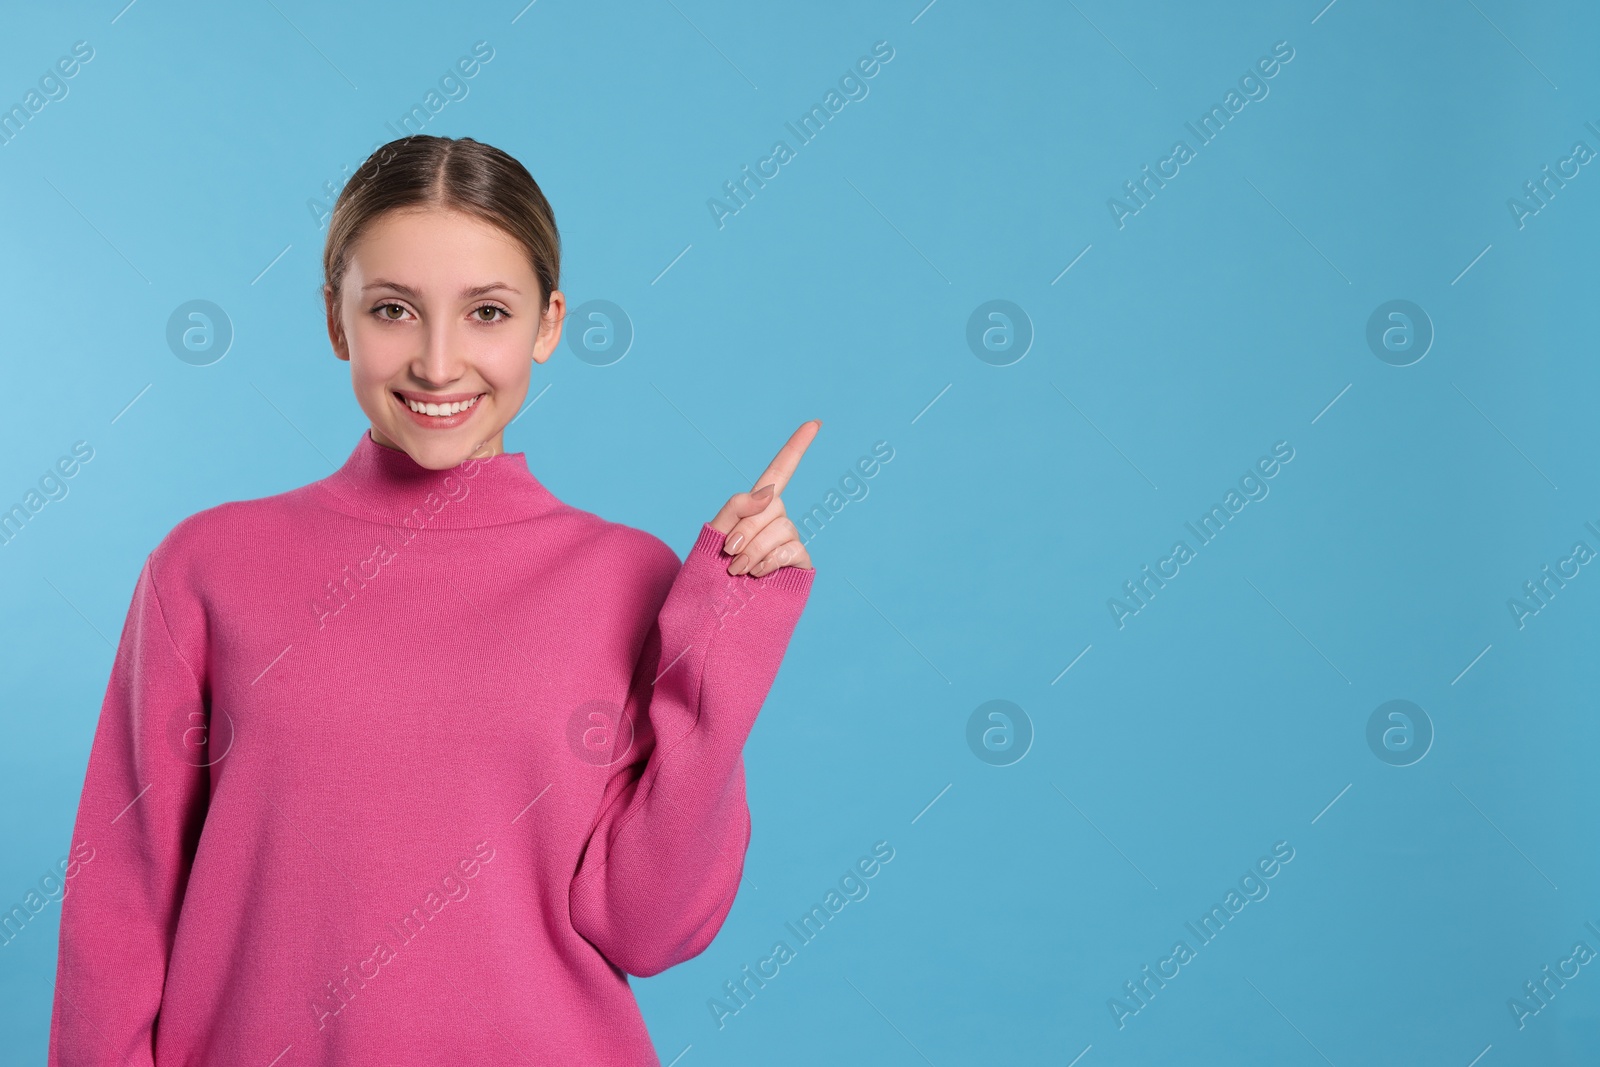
{"x":1222,"y":318}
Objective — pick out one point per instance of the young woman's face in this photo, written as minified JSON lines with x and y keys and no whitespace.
{"x":440,"y":307}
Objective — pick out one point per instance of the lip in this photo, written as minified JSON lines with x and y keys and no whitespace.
{"x":434,"y":422}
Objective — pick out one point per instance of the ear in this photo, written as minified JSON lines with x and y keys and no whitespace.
{"x":550,"y":327}
{"x":336,"y":337}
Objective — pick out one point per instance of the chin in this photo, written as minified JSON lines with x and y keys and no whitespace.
{"x":436,"y":455}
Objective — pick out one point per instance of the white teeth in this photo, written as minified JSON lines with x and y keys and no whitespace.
{"x":439,"y":409}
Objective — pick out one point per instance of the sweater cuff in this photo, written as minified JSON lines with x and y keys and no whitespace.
{"x":709,"y":544}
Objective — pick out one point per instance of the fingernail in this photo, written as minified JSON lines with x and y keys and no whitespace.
{"x":764,"y":490}
{"x":739,"y":566}
{"x":733,"y":546}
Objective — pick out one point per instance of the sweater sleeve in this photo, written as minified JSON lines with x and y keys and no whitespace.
{"x":143,"y":801}
{"x":663,"y":862}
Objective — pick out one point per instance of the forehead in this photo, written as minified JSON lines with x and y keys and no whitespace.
{"x":437,"y":243}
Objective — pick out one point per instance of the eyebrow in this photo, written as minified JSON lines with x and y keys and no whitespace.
{"x":466,"y":294}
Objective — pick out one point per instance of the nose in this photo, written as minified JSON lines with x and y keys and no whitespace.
{"x":439,"y":363}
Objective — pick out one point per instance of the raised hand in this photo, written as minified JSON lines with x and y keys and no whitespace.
{"x":759,"y":534}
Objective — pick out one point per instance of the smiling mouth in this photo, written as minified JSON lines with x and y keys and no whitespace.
{"x":440,"y":411}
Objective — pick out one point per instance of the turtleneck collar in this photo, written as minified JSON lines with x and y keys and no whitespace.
{"x":386,"y":485}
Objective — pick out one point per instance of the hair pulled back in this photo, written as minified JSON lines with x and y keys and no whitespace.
{"x":462,"y":174}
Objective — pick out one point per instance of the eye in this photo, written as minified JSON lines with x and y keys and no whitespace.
{"x":380,"y":309}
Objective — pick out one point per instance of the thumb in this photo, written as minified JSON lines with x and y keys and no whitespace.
{"x":746,"y":504}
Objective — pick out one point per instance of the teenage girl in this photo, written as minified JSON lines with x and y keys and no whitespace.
{"x":418,"y":762}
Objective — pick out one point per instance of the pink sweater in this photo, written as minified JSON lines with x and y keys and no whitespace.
{"x":409,"y":766}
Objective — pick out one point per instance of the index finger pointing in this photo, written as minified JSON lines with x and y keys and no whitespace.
{"x":784,"y":463}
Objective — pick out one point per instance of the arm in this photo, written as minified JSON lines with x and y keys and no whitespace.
{"x":142,"y":805}
{"x":663,"y":862}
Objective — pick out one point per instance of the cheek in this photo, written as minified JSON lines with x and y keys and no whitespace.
{"x":505,"y":362}
{"x":373,"y":365}
{"x":372,"y":348}
{"x":378,"y":351}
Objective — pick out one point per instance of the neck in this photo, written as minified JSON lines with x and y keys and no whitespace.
{"x":385,"y":484}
